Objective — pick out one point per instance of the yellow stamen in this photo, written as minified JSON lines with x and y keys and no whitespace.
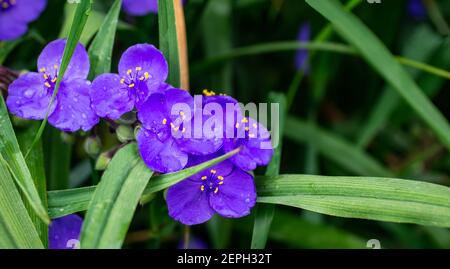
{"x":45,"y":76}
{"x":181,"y":113}
{"x":204,"y":177}
{"x":237,"y":125}
{"x":246,"y":128}
{"x":129,"y":71}
{"x":254,"y":125}
{"x":48,"y":85}
{"x":207,"y":92}
{"x":131,"y":85}
{"x":141,"y":78}
{"x":244,"y":120}
{"x":146,"y":75}
{"x":220,"y":177}
{"x":216,"y":190}
{"x":138,"y":68}
{"x":213,"y":171}
{"x":202,"y":188}
{"x":251,"y":135}
{"x":54,"y":79}
{"x":55,"y":66}
{"x":221,"y":182}
{"x":122,"y":81}
{"x":184,"y":130}
{"x":164,"y":121}
{"x":42,"y":70}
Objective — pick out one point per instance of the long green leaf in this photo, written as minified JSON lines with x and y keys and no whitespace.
{"x":376,"y":54}
{"x":65,"y":202}
{"x":10,"y":150}
{"x":334,"y":148}
{"x":16,"y":227}
{"x":264,"y":213}
{"x":384,"y":199}
{"x":100,"y":51}
{"x":115,"y":199}
{"x":35,"y":164}
{"x":168,"y":41}
{"x":79,"y":21}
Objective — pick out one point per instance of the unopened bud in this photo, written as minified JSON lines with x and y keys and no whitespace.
{"x":124,"y":133}
{"x":102,"y":161}
{"x":92,"y":146}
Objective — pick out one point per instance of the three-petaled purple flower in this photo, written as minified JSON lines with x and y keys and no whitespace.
{"x":301,"y":57}
{"x":142,"y":71}
{"x":224,"y":189}
{"x":64,"y":232}
{"x":29,"y":96}
{"x":15,"y":16}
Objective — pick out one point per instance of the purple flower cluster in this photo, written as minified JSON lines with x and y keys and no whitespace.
{"x":15,"y":16}
{"x":176,"y":130}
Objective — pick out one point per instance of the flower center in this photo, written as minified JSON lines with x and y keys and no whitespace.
{"x":7,"y":4}
{"x":49,"y":77}
{"x":134,"y":79}
{"x":250,"y":131}
{"x":211,"y":182}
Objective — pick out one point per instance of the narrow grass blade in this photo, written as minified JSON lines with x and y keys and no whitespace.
{"x":79,"y":21}
{"x":16,"y":228}
{"x":58,"y":156}
{"x":101,"y":49}
{"x":383,"y":199}
{"x":115,"y":199}
{"x":350,"y":157}
{"x":35,"y":164}
{"x":376,"y":54}
{"x":10,"y":150}
{"x":168,"y":40}
{"x":65,"y":202}
{"x":264,"y":213}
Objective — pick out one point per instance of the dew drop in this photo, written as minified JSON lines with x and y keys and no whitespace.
{"x":28,"y":93}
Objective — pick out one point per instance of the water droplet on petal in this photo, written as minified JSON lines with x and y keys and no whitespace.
{"x":83,"y":115}
{"x":28,"y":93}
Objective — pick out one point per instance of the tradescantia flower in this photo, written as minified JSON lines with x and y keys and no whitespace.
{"x":64,"y":232}
{"x":416,"y":9}
{"x":163,"y":123}
{"x":142,"y":71}
{"x":224,"y":189}
{"x":29,"y":96}
{"x":254,"y":141}
{"x":301,"y":57}
{"x":141,"y":7}
{"x":15,"y":16}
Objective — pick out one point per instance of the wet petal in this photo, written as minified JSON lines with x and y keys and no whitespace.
{"x":161,"y":156}
{"x":187,"y":203}
{"x":153,"y":114}
{"x":74,"y":110}
{"x":110,"y":98}
{"x":51,"y":56}
{"x":25,"y":10}
{"x":142,"y":58}
{"x":28,"y":98}
{"x":11,"y":28}
{"x":64,"y":232}
{"x":140,"y":7}
{"x":236,"y":196}
{"x":256,"y":148}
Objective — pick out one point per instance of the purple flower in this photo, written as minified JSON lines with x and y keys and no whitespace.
{"x":29,"y":96}
{"x":165,"y":117}
{"x":224,"y":189}
{"x":141,"y":7}
{"x":15,"y":16}
{"x":64,"y":232}
{"x":301,"y":57}
{"x":142,"y":71}
{"x":254,"y":141}
{"x":416,"y":9}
